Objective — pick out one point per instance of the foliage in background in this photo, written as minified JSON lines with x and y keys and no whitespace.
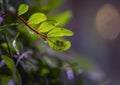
{"x":18,"y":45}
{"x":31,"y":43}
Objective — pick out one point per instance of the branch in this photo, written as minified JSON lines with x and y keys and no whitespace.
{"x":8,"y":47}
{"x":26,"y":23}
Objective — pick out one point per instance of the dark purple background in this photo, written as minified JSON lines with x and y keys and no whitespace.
{"x":87,"y":40}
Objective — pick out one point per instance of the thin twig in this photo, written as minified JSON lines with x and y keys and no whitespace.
{"x":26,"y":23}
{"x":8,"y":47}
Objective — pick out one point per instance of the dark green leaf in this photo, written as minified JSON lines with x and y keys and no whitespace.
{"x":10,"y":64}
{"x":44,"y":71}
{"x":52,"y":62}
{"x":17,"y":78}
{"x":53,"y":4}
{"x":4,"y":79}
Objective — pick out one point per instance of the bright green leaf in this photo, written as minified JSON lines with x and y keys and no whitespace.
{"x":23,"y":8}
{"x":45,"y":27}
{"x":35,"y":26}
{"x":36,"y":18}
{"x":57,"y":32}
{"x":53,"y":22}
{"x":59,"y":44}
{"x":62,"y":18}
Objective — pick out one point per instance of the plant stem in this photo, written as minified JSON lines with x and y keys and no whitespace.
{"x":8,"y":47}
{"x":26,"y":23}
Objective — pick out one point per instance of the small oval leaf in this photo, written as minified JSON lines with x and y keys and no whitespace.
{"x":45,"y":27}
{"x":36,"y":18}
{"x":59,"y":44}
{"x":62,"y":18}
{"x":23,"y":8}
{"x":57,"y":32}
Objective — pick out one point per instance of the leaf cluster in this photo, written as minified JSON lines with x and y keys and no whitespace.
{"x":23,"y":46}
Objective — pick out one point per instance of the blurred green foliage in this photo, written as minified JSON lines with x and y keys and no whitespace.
{"x":28,"y":60}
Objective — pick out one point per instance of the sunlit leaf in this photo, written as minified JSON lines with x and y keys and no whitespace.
{"x":62,"y":18}
{"x":60,"y":32}
{"x":53,"y":22}
{"x":23,"y":8}
{"x":59,"y":44}
{"x":34,"y":26}
{"x":36,"y":18}
{"x":45,"y":27}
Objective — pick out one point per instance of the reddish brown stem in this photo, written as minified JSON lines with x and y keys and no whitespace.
{"x":26,"y":23}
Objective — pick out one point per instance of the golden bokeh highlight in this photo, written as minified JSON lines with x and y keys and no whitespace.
{"x":108,"y":21}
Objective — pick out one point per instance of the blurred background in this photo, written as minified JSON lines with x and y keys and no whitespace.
{"x":95,"y":50}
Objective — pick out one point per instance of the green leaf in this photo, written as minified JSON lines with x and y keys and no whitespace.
{"x":10,"y":64}
{"x":35,"y":26}
{"x":45,"y":27}
{"x":57,"y":32}
{"x":36,"y":18}
{"x":17,"y":78}
{"x":52,"y":62}
{"x":44,"y":71}
{"x":23,"y":8}
{"x":62,"y":18}
{"x":17,"y":45}
{"x":4,"y":79}
{"x":5,"y":47}
{"x":50,"y":5}
{"x":53,"y":22}
{"x":53,"y":4}
{"x":59,"y":44}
